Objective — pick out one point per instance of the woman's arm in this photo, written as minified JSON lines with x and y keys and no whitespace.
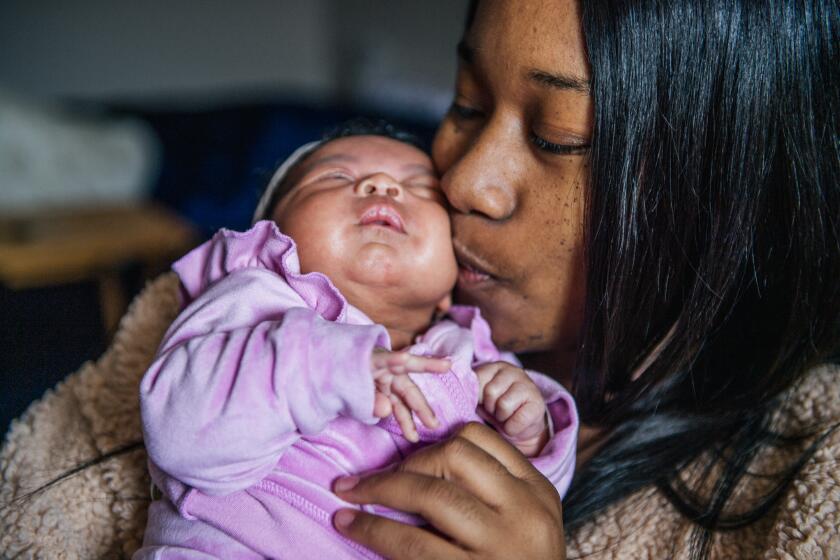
{"x":483,"y":498}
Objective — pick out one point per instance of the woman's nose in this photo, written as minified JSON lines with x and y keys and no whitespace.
{"x":481,"y":177}
{"x":380,"y":184}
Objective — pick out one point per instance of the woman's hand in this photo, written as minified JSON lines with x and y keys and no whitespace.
{"x":482,"y":497}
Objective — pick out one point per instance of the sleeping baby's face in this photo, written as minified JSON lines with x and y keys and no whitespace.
{"x":368,"y":212}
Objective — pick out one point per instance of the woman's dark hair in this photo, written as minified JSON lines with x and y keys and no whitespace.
{"x":359,"y":126}
{"x":712,"y":246}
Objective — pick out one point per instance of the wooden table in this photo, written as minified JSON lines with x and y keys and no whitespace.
{"x":70,"y":245}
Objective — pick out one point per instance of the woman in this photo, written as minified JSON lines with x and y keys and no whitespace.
{"x":646,"y":205}
{"x":645,"y":200}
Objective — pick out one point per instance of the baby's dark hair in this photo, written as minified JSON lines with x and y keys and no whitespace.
{"x":362,"y":126}
{"x":359,"y":126}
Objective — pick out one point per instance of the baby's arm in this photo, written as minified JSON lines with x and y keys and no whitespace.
{"x":513,"y":403}
{"x":241,"y":374}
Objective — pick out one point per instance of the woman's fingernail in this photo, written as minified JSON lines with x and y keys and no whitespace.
{"x":346,"y":483}
{"x":343,"y":518}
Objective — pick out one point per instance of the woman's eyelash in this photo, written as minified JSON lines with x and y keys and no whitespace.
{"x":466,"y":113}
{"x":560,"y":149}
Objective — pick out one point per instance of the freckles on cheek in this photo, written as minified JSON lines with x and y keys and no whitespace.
{"x":550,"y":235}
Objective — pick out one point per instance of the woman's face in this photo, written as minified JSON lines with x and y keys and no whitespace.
{"x":513,"y":154}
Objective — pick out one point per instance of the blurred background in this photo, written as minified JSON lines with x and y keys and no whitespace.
{"x":129,"y":132}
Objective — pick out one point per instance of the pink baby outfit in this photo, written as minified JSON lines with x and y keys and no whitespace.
{"x":261,"y":396}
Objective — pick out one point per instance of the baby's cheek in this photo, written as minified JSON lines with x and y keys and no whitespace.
{"x":319,"y":247}
{"x":434,"y":256}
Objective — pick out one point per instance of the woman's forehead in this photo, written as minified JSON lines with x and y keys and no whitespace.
{"x":535,"y":37}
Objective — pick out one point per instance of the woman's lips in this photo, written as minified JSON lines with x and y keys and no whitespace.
{"x":382,"y":215}
{"x":471,"y":269}
{"x":468,"y":275}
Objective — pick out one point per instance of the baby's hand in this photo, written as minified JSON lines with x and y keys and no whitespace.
{"x":514,"y":405}
{"x":396,"y":393}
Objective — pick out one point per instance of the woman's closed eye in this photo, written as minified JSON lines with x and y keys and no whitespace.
{"x":464,"y":112}
{"x":556,"y":149}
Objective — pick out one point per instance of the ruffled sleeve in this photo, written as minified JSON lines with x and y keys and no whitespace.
{"x":263,"y":247}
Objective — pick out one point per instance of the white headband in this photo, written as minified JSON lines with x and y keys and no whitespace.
{"x":277,"y":178}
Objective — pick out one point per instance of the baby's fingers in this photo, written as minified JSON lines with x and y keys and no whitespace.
{"x":527,"y":421}
{"x":403,"y":362}
{"x":381,"y":405}
{"x":411,"y":395}
{"x":404,"y":419}
{"x":379,"y":360}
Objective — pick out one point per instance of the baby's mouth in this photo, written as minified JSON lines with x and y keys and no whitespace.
{"x":383,"y":216}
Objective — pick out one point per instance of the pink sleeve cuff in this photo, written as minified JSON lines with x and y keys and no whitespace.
{"x":557,"y":459}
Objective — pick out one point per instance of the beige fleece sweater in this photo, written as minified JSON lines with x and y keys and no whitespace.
{"x":101,"y":512}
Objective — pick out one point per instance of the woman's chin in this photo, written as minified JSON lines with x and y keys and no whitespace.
{"x":510,"y":316}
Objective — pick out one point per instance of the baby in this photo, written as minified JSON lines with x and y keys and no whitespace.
{"x":297,"y":362}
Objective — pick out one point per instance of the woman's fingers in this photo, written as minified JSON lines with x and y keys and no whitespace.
{"x":514,"y":462}
{"x":477,"y":490}
{"x":464,"y":517}
{"x":457,"y":460}
{"x":392,"y":539}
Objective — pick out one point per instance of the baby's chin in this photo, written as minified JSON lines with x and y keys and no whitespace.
{"x":383,"y":267}
{"x":390,"y":271}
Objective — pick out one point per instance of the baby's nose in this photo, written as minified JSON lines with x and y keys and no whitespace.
{"x":380,"y":184}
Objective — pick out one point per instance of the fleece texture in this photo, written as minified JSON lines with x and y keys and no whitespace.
{"x":101,"y":512}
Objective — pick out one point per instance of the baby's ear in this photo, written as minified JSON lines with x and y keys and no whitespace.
{"x":444,"y":304}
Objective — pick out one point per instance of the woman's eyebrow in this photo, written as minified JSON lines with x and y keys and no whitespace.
{"x":559,"y":81}
{"x":556,"y":80}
